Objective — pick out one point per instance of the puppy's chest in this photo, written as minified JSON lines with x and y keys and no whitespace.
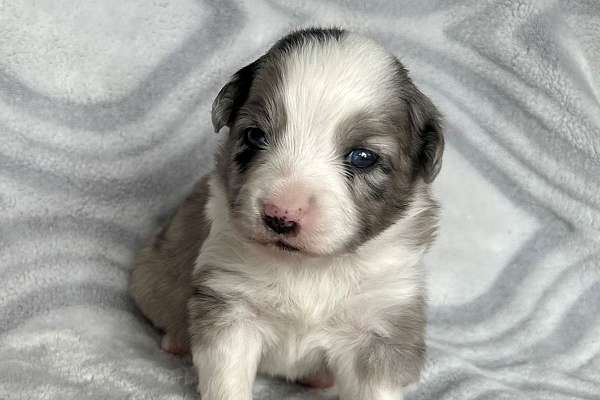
{"x":304,"y":300}
{"x":300,"y":294}
{"x":293,"y":310}
{"x":295,"y":315}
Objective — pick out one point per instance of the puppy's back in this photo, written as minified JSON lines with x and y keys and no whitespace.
{"x":160,"y":282}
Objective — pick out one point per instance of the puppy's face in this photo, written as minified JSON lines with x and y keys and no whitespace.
{"x":327,"y":139}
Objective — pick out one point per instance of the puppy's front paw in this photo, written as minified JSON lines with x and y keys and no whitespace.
{"x":173,"y":346}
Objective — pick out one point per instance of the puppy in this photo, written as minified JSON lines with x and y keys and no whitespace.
{"x":300,"y":255}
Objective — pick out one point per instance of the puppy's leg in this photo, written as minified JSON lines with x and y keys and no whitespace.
{"x":160,"y":280}
{"x":227,"y":363}
{"x":226,"y":344}
{"x":363,"y":376}
{"x":377,"y":357}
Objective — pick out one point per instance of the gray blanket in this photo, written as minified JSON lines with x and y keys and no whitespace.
{"x":104,"y":126}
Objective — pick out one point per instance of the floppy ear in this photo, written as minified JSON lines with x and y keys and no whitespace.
{"x":426,"y":122}
{"x":232,"y":96}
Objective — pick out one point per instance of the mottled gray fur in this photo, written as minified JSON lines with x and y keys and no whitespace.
{"x":397,"y":357}
{"x":161,"y":279}
{"x":207,"y":308}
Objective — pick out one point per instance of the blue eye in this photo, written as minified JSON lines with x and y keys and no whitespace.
{"x":256,"y":138}
{"x":362,"y":158}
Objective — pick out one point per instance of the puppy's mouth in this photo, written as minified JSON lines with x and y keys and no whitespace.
{"x":280,"y":244}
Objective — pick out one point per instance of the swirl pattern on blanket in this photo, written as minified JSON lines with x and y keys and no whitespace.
{"x":105,"y":126}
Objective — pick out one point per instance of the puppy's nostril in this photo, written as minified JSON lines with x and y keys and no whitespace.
{"x":280,"y":225}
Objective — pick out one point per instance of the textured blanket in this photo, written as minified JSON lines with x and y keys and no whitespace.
{"x":105,"y":125}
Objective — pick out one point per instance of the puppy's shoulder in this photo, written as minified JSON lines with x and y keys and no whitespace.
{"x":190,"y":226}
{"x":174,"y":248}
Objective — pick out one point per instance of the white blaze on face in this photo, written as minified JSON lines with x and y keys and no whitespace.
{"x":323,"y":84}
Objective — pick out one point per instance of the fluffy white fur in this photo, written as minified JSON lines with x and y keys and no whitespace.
{"x":306,"y":290}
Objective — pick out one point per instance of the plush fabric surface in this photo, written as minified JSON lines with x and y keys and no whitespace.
{"x":105,"y":125}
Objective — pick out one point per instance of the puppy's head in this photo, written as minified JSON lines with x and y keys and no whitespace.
{"x":328,"y":138}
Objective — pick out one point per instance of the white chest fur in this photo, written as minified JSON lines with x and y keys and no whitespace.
{"x":291,"y":303}
{"x":298,"y":303}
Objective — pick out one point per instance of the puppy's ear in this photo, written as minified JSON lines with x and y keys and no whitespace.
{"x":426,"y":122}
{"x":232,"y":96}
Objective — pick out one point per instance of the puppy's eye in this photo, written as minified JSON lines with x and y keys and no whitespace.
{"x":256,"y":138}
{"x":362,"y":158}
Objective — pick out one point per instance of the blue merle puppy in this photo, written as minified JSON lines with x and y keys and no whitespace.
{"x":300,"y":255}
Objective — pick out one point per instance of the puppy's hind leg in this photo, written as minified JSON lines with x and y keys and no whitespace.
{"x":160,"y":281}
{"x":162,"y":296}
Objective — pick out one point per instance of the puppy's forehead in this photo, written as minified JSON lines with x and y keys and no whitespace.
{"x":326,"y":81}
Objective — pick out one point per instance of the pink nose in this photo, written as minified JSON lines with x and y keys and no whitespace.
{"x":284,"y":218}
